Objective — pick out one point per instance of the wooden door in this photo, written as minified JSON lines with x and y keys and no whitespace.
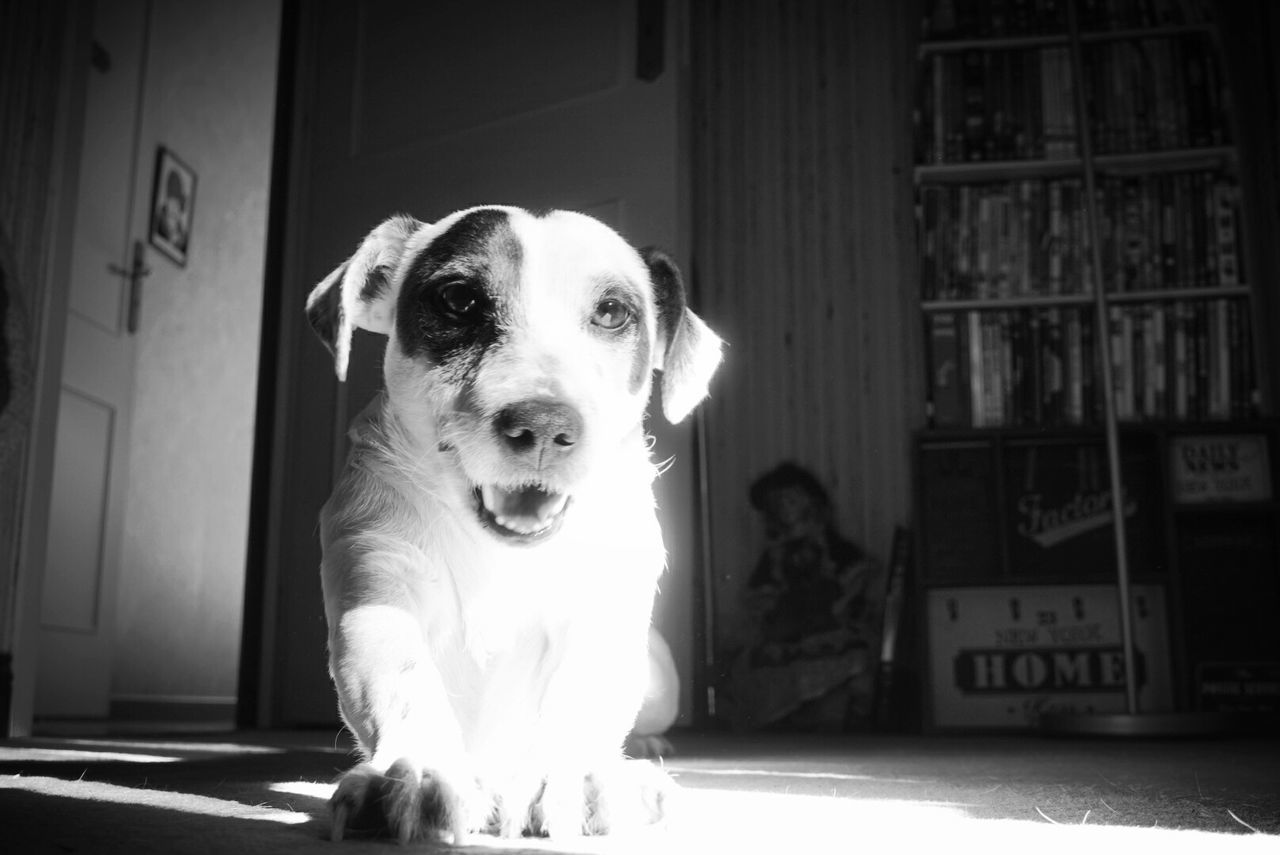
{"x":85,"y":524}
{"x":426,"y":108}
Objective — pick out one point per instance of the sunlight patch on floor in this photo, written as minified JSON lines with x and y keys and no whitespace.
{"x":728,"y":820}
{"x":170,"y":745}
{"x":68,"y":755}
{"x":176,"y":801}
{"x":123,"y":750}
{"x":304,"y":788}
{"x":779,"y":775}
{"x":705,"y":819}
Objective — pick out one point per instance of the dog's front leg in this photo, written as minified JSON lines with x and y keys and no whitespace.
{"x":589,"y":707}
{"x":417,"y":779}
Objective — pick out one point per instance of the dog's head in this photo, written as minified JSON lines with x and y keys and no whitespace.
{"x":521,"y":347}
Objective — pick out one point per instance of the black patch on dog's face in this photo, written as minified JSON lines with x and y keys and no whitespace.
{"x":451,"y":306}
{"x":668,"y":291}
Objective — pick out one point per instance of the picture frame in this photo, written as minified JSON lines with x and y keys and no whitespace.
{"x":173,"y":198}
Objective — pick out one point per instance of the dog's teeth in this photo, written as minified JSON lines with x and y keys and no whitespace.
{"x":554,"y":509}
{"x":517,"y":525}
{"x":527,"y":510}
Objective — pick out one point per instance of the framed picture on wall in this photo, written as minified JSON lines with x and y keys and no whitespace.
{"x":173,"y":199}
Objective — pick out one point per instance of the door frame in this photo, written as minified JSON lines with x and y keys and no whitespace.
{"x":254,"y":691}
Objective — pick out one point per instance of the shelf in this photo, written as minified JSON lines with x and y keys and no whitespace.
{"x":1226,"y":509}
{"x":1048,"y":579}
{"x":1061,"y":300}
{"x":1172,"y":160}
{"x":969,"y":437}
{"x":998,"y":43}
{"x":995,"y":304}
{"x":1174,"y":294}
{"x":1150,"y":393}
{"x":1057,"y":39}
{"x":995,"y":170}
{"x":1049,"y":433}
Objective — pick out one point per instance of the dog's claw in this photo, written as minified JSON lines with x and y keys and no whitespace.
{"x":648,"y":746}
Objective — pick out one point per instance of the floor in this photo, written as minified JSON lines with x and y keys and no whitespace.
{"x":266,"y":792}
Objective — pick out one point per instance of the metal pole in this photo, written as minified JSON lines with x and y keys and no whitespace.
{"x":1085,"y":137}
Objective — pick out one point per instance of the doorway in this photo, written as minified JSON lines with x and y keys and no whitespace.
{"x":144,"y":585}
{"x":410,"y":107}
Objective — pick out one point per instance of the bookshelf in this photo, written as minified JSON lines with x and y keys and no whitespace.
{"x":1088,"y":319}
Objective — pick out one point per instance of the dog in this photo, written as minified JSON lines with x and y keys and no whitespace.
{"x":491,"y":550}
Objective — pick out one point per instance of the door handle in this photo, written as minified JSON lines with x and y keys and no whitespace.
{"x":135,"y":273}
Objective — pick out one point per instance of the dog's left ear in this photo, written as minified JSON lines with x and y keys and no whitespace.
{"x":688,"y":351}
{"x":358,"y":293}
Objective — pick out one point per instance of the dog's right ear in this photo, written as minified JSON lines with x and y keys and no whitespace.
{"x":359,"y":292}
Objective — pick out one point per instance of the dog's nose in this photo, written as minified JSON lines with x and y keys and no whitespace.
{"x":539,"y":426}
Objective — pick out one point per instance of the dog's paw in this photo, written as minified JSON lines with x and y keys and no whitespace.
{"x":628,"y":796}
{"x":623,"y":797}
{"x":649,"y":745}
{"x":409,"y":802}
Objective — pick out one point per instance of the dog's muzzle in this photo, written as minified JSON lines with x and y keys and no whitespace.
{"x":536,"y":436}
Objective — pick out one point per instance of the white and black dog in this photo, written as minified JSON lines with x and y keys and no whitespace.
{"x":491,"y":551}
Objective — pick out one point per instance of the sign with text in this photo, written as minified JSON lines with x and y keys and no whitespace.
{"x":1060,"y":510}
{"x":1220,"y":468}
{"x":1252,"y":687}
{"x":1002,"y":656}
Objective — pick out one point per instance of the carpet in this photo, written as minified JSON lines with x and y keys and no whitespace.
{"x":266,"y":792}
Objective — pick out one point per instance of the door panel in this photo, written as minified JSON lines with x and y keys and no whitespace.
{"x":80,"y":487}
{"x":553,"y":50}
{"x":426,"y":109}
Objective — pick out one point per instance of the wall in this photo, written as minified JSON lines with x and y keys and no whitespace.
{"x":210,"y":96}
{"x":803,"y":249}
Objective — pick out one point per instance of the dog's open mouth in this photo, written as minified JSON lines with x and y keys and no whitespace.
{"x":524,"y":514}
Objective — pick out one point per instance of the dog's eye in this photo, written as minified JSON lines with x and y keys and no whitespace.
{"x":462,"y":301}
{"x":611,"y":314}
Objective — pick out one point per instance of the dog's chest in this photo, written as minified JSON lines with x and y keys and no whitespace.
{"x":504,"y":635}
{"x":500,"y":658}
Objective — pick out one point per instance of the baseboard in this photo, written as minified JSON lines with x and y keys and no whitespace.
{"x":173,"y":708}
